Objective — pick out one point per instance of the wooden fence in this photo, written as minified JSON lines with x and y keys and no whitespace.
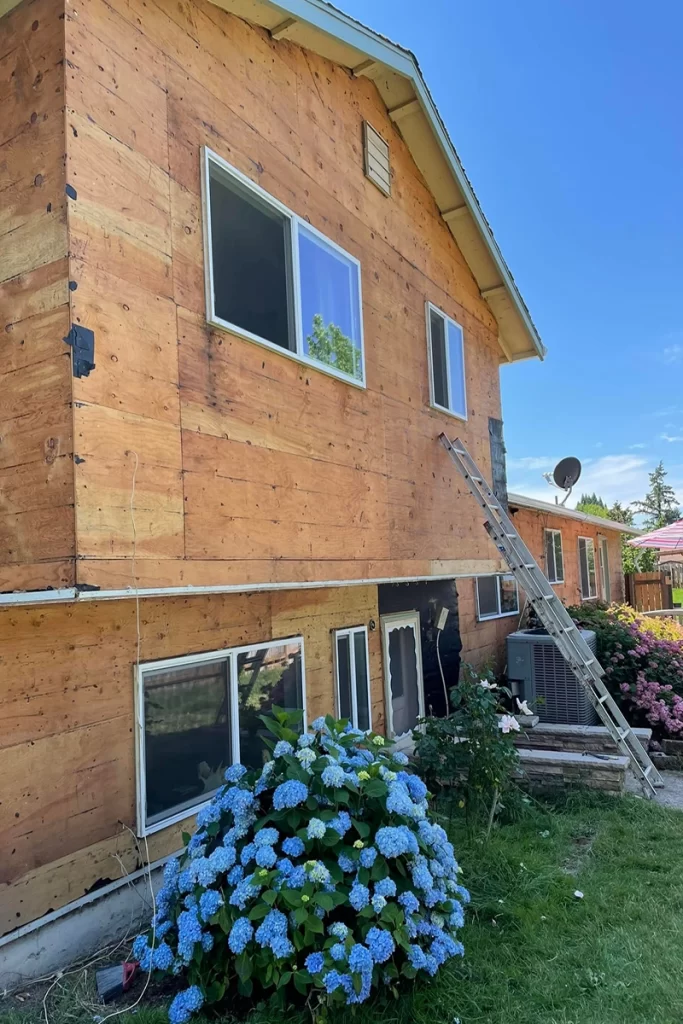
{"x":674,"y":570}
{"x":649,"y":591}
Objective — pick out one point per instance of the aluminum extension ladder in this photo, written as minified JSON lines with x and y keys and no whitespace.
{"x":553,"y":614}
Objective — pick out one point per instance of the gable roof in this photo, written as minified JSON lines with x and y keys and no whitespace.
{"x":521,"y":501}
{"x":318,"y":26}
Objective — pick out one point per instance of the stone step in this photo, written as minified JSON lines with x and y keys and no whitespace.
{"x":594,"y":739}
{"x":555,"y":770}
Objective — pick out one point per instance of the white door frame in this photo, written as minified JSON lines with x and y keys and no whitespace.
{"x":394,"y":621}
{"x":603,"y":548}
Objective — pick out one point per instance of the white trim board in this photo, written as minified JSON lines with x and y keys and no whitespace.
{"x":69,"y":594}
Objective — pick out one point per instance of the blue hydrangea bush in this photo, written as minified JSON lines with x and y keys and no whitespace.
{"x":318,"y":876}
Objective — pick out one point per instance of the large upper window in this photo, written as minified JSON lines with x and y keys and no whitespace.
{"x":274,"y":279}
{"x":352,"y":671}
{"x":200,"y":714}
{"x":587,"y":579}
{"x":446,"y":363}
{"x":554,"y":559}
{"x":496,"y":596}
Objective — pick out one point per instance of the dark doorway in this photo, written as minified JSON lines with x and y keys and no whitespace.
{"x":427,"y":598}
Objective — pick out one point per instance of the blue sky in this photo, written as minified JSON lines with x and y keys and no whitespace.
{"x":567,"y":117}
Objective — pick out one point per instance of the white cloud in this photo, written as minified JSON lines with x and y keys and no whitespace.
{"x":671,"y":438}
{"x":634,"y":447}
{"x":672,"y":354}
{"x":621,"y":478}
{"x":541,"y":462}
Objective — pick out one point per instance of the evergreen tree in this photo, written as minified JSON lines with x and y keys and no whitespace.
{"x":592,"y":505}
{"x":659,"y":505}
{"x":592,"y":499}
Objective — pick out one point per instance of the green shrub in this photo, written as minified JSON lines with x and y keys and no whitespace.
{"x":319,"y":877}
{"x":471,"y":752}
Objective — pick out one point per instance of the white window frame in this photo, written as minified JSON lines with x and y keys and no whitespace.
{"x":587,"y":540}
{"x":498,"y":576}
{"x":228,"y":654}
{"x":208,"y":157}
{"x":429,"y":309}
{"x":555,"y":533}
{"x":351,"y":632}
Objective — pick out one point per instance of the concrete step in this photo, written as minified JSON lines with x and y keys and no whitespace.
{"x":594,"y":739}
{"x":557,"y":770}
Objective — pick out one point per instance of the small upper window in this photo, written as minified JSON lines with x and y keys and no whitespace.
{"x":273,"y":278}
{"x":587,"y":580}
{"x":446,"y":363}
{"x":554,"y":559}
{"x":200,"y":714}
{"x":496,"y":596}
{"x":353,"y":676}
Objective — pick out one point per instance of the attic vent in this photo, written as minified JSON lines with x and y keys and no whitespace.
{"x":376,"y":157}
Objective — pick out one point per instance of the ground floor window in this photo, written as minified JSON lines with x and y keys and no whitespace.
{"x":496,"y":596}
{"x":587,"y":568}
{"x":197,"y":715}
{"x":352,"y":671}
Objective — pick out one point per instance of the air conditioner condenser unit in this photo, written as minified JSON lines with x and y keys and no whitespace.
{"x":548,"y":683}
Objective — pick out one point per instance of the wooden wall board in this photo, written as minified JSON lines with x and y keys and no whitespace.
{"x":67,"y":732}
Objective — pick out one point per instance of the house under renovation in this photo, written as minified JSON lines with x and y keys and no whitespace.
{"x":245,"y":285}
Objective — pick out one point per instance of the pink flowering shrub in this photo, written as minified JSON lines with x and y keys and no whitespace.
{"x":643,"y":670}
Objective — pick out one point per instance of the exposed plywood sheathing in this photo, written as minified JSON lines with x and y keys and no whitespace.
{"x":36,"y":471}
{"x":66,"y":723}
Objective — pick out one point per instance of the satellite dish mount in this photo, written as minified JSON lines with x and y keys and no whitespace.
{"x":565,"y":475}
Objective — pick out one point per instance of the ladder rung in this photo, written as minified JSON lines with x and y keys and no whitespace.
{"x":605,"y":697}
{"x":623,"y":733}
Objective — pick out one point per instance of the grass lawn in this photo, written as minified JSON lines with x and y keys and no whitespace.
{"x":678,"y":595}
{"x":535,"y":954}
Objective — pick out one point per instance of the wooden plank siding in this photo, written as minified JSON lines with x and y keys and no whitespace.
{"x":67,"y":723}
{"x":252,"y":468}
{"x":37,"y":542}
{"x":484,"y":642}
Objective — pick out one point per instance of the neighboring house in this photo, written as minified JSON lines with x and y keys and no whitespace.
{"x":579,"y":553}
{"x":226,"y":491}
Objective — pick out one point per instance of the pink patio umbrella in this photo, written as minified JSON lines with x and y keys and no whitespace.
{"x":668,"y":538}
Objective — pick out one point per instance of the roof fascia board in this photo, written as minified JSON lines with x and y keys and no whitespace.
{"x":335,"y":23}
{"x":536,"y":505}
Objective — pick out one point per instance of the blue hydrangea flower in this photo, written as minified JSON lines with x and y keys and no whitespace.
{"x":385,"y":887}
{"x":172,"y":869}
{"x":293,"y":846}
{"x":162,"y":928}
{"x":272,"y":933}
{"x":359,"y":896}
{"x":368,"y":856}
{"x":334,"y":980}
{"x":185,"y":1004}
{"x":314,"y":963}
{"x":338,"y":930}
{"x":208,"y":814}
{"x":456,"y":918}
{"x":235,"y":773}
{"x":210,"y":903}
{"x":289,"y":794}
{"x":431,"y":965}
{"x":235,"y":874}
{"x":306,"y":740}
{"x":267,"y":837}
{"x":240,"y":934}
{"x":316,"y":829}
{"x":190,"y":901}
{"x":378,"y":904}
{"x":222,"y":859}
{"x":409,"y":902}
{"x":317,"y":872}
{"x":282,"y":747}
{"x":189,"y":934}
{"x":243,"y":892}
{"x":342,"y":823}
{"x":394,"y":841}
{"x":306,"y":757}
{"x":360,"y":958}
{"x":333,"y":776}
{"x":381,"y":944}
{"x":338,"y":951}
{"x":281,"y":947}
{"x":266,"y":857}
{"x":421,"y":875}
{"x":399,"y":757}
{"x":318,"y":724}
{"x":347,"y":865}
{"x":297,"y":878}
{"x":417,"y":958}
{"x":416,"y":788}
{"x":162,"y":957}
{"x":140,"y":946}
{"x":248,"y":853}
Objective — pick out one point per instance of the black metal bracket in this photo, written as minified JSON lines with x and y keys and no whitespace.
{"x":82,"y":341}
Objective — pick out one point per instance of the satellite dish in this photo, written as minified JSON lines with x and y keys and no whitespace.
{"x":567,"y":472}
